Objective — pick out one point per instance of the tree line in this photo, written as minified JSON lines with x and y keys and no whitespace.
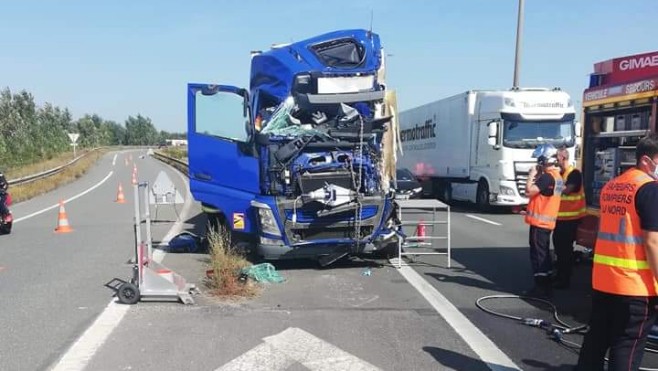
{"x":31,"y":133}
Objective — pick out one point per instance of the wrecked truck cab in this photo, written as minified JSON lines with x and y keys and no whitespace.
{"x":297,"y":166}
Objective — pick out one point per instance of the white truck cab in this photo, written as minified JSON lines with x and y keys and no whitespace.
{"x":481,"y":145}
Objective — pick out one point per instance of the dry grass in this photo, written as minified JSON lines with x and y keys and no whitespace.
{"x":59,"y":160}
{"x":179,"y":153}
{"x":224,"y":271}
{"x":68,"y":175}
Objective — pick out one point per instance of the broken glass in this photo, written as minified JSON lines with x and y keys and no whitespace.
{"x":283,"y":123}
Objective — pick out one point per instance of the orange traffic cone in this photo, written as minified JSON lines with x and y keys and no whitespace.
{"x":121,"y":199}
{"x":62,"y":220}
{"x":134,"y":181}
{"x":125,"y":160}
{"x":420,"y":230}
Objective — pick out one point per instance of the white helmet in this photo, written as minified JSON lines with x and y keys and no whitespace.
{"x":546,"y":154}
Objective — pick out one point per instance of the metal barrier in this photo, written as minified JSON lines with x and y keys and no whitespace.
{"x":178,"y":164}
{"x":45,"y":174}
{"x":422,"y":206}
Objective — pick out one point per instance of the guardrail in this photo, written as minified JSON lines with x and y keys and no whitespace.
{"x":45,"y":174}
{"x":177,"y":163}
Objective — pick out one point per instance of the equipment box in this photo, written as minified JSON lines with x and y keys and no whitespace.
{"x":605,"y":164}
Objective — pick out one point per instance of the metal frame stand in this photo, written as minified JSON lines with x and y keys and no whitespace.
{"x":151,"y":279}
{"x":417,"y":241}
{"x":163,"y":200}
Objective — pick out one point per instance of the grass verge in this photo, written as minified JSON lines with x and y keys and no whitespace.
{"x":179,"y":153}
{"x":26,"y":191}
{"x":223,"y":278}
{"x":37,"y":167}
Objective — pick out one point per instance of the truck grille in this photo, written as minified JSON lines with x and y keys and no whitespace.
{"x":325,"y":233}
{"x":309,"y":227}
{"x":521,"y":171}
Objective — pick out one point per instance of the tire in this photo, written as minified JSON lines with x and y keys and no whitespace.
{"x":215,"y":221}
{"x":5,"y":228}
{"x":128,"y":293}
{"x":246,"y":247}
{"x":482,"y":196}
{"x":446,"y":193}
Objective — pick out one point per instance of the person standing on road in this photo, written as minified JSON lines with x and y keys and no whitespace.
{"x":572,"y":210}
{"x":625,"y":266}
{"x":543,"y":189}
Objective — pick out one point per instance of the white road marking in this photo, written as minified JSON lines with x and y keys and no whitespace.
{"x":114,"y":160}
{"x":82,"y":351}
{"x":67,"y":200}
{"x":488,"y":352}
{"x":85,"y":347}
{"x":482,"y":219}
{"x":263,"y":357}
{"x":295,"y":345}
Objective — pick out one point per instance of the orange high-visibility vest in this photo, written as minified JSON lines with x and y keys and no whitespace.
{"x":620,"y":262}
{"x":572,"y":206}
{"x":542,"y":210}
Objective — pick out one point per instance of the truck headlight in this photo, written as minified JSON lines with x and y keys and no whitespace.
{"x":269,"y":241}
{"x":506,"y":191}
{"x":417,"y":190}
{"x":266,"y":219}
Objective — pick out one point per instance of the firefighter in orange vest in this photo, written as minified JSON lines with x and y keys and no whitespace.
{"x":543,"y":189}
{"x":572,"y":210}
{"x":625,"y":266}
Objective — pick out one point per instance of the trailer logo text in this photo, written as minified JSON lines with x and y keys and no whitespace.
{"x":637,"y":63}
{"x":426,"y":131}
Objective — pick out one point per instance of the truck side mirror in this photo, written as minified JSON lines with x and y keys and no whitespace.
{"x":493,"y":127}
{"x":578,"y":128}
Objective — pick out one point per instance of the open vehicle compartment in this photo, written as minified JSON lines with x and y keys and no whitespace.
{"x":319,"y":153}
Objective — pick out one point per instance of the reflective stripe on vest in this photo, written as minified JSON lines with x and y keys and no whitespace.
{"x":542,"y":210}
{"x":620,"y":262}
{"x":541,"y":217}
{"x":572,"y":206}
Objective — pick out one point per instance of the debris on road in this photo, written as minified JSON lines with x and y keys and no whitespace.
{"x":263,"y":273}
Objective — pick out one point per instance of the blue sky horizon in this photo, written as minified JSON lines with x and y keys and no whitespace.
{"x":127,"y":58}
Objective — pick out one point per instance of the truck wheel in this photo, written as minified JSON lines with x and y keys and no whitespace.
{"x":238,"y":243}
{"x":447,"y":193}
{"x":215,"y":221}
{"x":482,"y":197}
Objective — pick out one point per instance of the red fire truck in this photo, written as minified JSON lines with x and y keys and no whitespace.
{"x":619,"y":108}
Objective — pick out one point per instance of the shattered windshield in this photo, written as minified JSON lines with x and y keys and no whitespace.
{"x":288,"y":120}
{"x":283,"y":123}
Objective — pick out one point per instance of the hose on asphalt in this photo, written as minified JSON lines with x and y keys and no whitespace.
{"x":556,"y":331}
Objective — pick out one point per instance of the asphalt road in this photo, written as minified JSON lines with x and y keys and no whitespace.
{"x":491,"y":257}
{"x":340,"y":317}
{"x":51,"y":284}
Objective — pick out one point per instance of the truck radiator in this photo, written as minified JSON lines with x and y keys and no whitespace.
{"x":310,"y":234}
{"x":521,"y":171}
{"x":311,"y":227}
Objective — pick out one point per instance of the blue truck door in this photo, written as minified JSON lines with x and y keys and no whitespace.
{"x":223,"y":167}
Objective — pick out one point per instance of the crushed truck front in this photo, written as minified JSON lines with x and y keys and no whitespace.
{"x":319,"y":131}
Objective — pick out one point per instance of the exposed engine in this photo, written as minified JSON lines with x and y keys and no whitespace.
{"x":323,"y":161}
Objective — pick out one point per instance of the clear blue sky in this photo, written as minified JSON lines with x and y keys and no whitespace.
{"x":120,"y":58}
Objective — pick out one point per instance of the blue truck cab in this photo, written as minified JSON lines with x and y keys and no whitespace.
{"x":293,"y":165}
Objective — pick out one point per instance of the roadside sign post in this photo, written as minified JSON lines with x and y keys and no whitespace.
{"x":74,"y":140}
